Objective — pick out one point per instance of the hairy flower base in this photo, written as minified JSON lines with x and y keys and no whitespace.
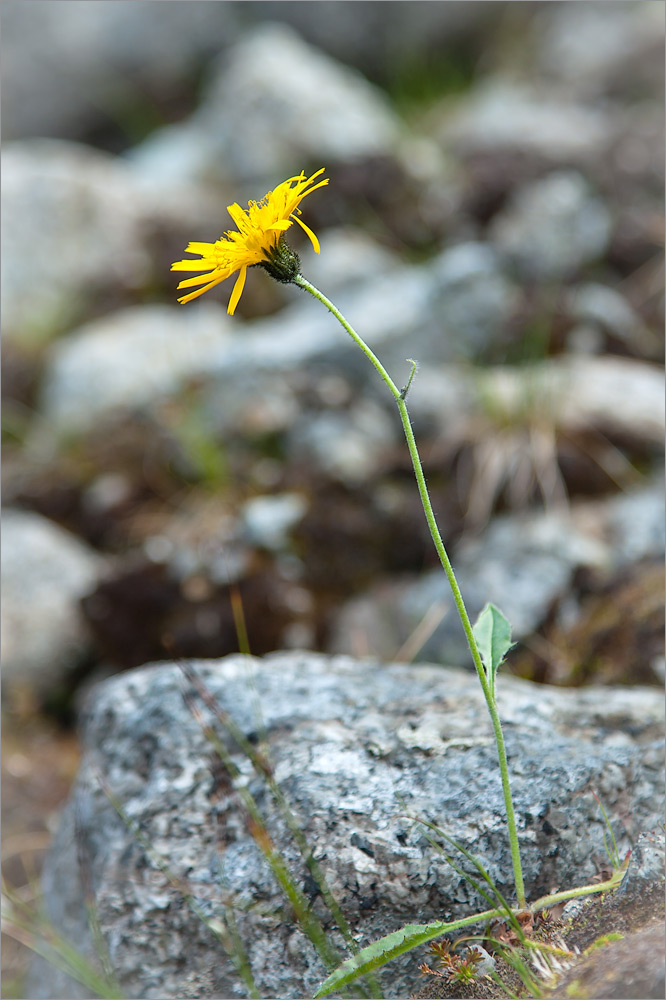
{"x":259,"y":241}
{"x":282,"y":263}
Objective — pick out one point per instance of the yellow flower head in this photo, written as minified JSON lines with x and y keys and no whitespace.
{"x":259,"y":240}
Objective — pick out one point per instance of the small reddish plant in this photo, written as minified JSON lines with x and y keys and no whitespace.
{"x":453,"y":967}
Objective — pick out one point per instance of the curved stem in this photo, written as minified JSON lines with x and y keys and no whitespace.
{"x":399,"y":397}
{"x":584,"y":890}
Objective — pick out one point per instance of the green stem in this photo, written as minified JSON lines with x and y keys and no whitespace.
{"x":583,"y":890}
{"x":399,"y":397}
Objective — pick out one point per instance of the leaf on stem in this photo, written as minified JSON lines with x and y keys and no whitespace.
{"x":492,"y":632}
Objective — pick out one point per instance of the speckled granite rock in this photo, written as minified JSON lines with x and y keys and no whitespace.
{"x":354,"y":746}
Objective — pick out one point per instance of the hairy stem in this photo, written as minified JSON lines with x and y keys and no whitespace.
{"x":400,"y":396}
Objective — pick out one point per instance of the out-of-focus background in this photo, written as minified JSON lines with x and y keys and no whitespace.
{"x":175,"y":479}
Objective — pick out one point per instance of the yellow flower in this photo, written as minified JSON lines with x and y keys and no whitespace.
{"x":259,"y":241}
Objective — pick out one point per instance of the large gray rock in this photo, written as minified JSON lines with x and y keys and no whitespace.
{"x":354,"y":747}
{"x":45,"y":573}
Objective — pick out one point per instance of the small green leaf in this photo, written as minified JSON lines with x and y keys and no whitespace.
{"x":379,"y":953}
{"x":492,"y":632}
{"x":387,"y":948}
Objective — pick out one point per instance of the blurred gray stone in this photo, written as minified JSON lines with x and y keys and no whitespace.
{"x":45,"y":573}
{"x":452,"y":307}
{"x":348,"y":445}
{"x":267,"y":119}
{"x":67,"y":65}
{"x":129,"y":360}
{"x":633,"y":524}
{"x":267,"y":520}
{"x":553,"y":227}
{"x":135,"y":357}
{"x":469,"y":304}
{"x":355,"y":746}
{"x":349,"y":257}
{"x":575,"y":391}
{"x":607,"y":309}
{"x":258,"y":121}
{"x":587,"y":390}
{"x":596,"y":48}
{"x":518,"y":565}
{"x":380,"y":37}
{"x":71,"y":227}
{"x":389,"y":312}
{"x":523,"y":563}
{"x":503,"y":114}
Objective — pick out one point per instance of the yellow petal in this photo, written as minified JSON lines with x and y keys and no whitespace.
{"x":313,"y":238}
{"x":199,"y":291}
{"x":192,"y":265}
{"x":314,"y":177}
{"x":205,"y":249}
{"x":201,"y":279}
{"x":237,"y":292}
{"x":238,"y":215}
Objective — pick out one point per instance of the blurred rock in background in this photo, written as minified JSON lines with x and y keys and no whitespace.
{"x":495,"y":210}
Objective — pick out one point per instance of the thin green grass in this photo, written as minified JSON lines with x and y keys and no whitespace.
{"x":29,"y":925}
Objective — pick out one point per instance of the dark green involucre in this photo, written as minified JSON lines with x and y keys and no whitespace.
{"x":282,"y":263}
